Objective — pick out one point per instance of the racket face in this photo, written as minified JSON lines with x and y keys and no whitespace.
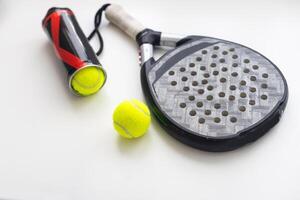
{"x":213,"y":94}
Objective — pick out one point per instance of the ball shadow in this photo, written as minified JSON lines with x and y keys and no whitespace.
{"x":138,"y":145}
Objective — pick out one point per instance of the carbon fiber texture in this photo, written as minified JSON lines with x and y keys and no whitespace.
{"x":217,"y":91}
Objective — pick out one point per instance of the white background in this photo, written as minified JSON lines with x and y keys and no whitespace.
{"x":60,"y":147}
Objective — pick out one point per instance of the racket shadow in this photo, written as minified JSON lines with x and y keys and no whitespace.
{"x":209,"y":157}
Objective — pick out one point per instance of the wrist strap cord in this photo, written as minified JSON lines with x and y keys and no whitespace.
{"x":97,"y":23}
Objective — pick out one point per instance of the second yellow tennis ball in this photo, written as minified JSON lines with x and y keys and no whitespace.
{"x":131,"y":119}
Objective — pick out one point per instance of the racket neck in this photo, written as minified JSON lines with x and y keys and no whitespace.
{"x":158,"y":38}
{"x":148,"y":36}
{"x":148,"y":39}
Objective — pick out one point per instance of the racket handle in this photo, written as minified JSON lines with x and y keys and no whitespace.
{"x":119,"y":17}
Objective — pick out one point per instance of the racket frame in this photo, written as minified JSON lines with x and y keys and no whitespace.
{"x":182,"y":134}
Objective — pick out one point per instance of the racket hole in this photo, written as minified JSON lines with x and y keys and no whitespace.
{"x":264,"y":86}
{"x":252,"y":89}
{"x":252,"y":102}
{"x":199,"y":104}
{"x":200,"y":91}
{"x":192,"y":64}
{"x":243,"y":95}
{"x":224,"y":69}
{"x":265,"y":75}
{"x":221,"y":94}
{"x":253,"y":78}
{"x":231,"y":49}
{"x":171,"y":73}
{"x":231,"y":98}
{"x":201,"y":120}
{"x":184,"y":78}
{"x":193,"y":73}
{"x":210,"y":87}
{"x":243,"y":83}
{"x":223,"y":80}
{"x":224,"y":53}
{"x":225,"y":113}
{"x":204,"y":52}
{"x":191,"y":98}
{"x":217,"y":120}
{"x":235,"y":56}
{"x":214,"y":56}
{"x":264,"y":97}
{"x":233,"y":119}
{"x":242,"y":108}
{"x":193,"y":112}
{"x":222,"y":60}
{"x":255,"y":67}
{"x":206,"y":75}
{"x":246,"y":61}
{"x":217,"y":106}
{"x":195,"y":83}
{"x":182,"y":69}
{"x":199,"y":59}
{"x":232,"y":87}
{"x":186,"y":89}
{"x":182,"y":105}
{"x":173,"y":83}
{"x":209,"y":97}
{"x":207,"y":112}
{"x":216,"y":47}
{"x":235,"y":65}
{"x":234,"y":74}
{"x":246,"y":70}
{"x":204,"y":82}
{"x":202,"y":68}
{"x":215,"y":73}
{"x":213,"y":65}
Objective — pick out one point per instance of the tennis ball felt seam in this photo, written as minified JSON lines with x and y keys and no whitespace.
{"x":139,"y":108}
{"x":131,"y":119}
{"x":124,"y":129}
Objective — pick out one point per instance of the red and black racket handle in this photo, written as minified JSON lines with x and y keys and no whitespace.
{"x":70,"y":43}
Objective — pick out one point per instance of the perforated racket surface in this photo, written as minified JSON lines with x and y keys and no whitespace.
{"x":211,"y":94}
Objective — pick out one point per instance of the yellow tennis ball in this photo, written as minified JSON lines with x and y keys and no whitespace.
{"x":88,"y":81}
{"x":131,"y":119}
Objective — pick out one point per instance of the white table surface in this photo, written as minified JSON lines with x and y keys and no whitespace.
{"x":60,"y":147}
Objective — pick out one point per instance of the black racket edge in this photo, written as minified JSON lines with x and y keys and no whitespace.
{"x":242,"y":138}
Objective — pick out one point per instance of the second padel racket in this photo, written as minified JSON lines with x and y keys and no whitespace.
{"x":208,"y":93}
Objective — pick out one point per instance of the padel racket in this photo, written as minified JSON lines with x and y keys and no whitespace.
{"x":208,"y":93}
